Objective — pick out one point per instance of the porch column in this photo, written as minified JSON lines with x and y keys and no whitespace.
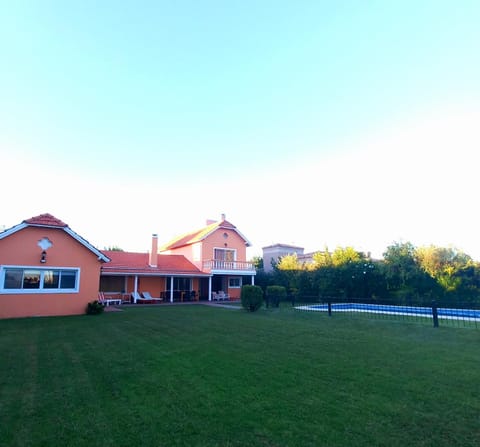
{"x":209,"y":288}
{"x":253,"y":280}
{"x":135,"y":288}
{"x":171,"y":289}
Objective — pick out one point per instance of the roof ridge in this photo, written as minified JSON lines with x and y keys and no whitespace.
{"x":45,"y":219}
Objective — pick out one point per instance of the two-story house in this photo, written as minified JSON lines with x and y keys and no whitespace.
{"x":48,"y":269}
{"x":220,"y":250}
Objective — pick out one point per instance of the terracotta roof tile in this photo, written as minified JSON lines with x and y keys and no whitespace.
{"x":198,"y":235}
{"x":46,"y":220}
{"x":137,"y":263}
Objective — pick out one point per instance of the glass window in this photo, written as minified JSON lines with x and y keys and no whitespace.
{"x":13,"y":279}
{"x":31,"y":279}
{"x":51,"y":279}
{"x":68,"y":279}
{"x":224,"y":254}
{"x":180,"y":284}
{"x":235,"y":282}
{"x":19,"y":279}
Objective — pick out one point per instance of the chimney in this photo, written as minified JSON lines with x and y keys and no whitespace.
{"x":152,"y":261}
{"x":223,"y":217}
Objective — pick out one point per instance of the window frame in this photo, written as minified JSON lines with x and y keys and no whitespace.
{"x":239,"y":278}
{"x":41,"y":290}
{"x":224,"y":250}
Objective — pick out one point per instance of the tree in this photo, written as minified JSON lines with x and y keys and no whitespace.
{"x":342,"y":256}
{"x":400,"y":264}
{"x":113,"y":248}
{"x":443,"y":264}
{"x":289,"y":262}
{"x":321,"y":259}
{"x":257,"y":262}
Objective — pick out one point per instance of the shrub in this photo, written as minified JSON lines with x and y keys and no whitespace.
{"x":251,"y":297}
{"x":275,"y":294}
{"x":94,"y":308}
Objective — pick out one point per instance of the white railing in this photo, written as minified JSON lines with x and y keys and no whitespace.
{"x":215,"y":264}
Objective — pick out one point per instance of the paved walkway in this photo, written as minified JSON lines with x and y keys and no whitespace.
{"x":233,"y":305}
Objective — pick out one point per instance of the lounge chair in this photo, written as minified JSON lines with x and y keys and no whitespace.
{"x":137,"y":299}
{"x":107,"y":301}
{"x":147,"y":297}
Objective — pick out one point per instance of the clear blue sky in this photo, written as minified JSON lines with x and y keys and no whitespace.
{"x":127,"y":118}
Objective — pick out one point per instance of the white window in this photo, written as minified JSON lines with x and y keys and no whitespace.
{"x":234,"y":282}
{"x":39,"y":280}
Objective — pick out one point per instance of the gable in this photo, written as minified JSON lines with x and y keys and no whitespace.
{"x":202,"y":234}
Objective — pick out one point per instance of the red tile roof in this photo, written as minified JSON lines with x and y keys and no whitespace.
{"x":200,"y":235}
{"x":45,"y":220}
{"x":122,"y":262}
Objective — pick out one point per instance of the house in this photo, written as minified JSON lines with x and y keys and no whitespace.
{"x":46,"y":269}
{"x":276,"y":252}
{"x":168,"y":277}
{"x":218,"y":249}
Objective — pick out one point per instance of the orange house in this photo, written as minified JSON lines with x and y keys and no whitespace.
{"x":168,"y":277}
{"x":46,"y":269}
{"x":220,"y":250}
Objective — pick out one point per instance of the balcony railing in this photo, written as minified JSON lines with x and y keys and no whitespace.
{"x":215,"y":264}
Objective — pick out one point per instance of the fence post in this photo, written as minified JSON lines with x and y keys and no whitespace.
{"x":329,"y":307}
{"x":435,"y":313}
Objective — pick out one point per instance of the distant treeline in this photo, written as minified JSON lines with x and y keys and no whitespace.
{"x":407,"y":274}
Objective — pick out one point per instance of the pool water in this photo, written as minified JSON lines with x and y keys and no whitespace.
{"x":445,"y":313}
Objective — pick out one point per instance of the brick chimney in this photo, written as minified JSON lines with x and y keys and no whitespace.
{"x":152,"y":260}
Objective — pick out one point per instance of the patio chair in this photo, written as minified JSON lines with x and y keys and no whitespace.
{"x":107,"y":301}
{"x":223,"y":296}
{"x":147,"y":297}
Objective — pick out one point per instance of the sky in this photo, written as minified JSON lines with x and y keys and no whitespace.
{"x":313,"y":123}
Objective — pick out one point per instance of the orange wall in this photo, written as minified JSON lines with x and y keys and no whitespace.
{"x":217,"y":240}
{"x":21,"y":249}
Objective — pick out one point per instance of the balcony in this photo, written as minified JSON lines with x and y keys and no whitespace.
{"x":238,"y":267}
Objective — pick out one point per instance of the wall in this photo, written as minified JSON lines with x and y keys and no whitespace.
{"x":21,"y":249}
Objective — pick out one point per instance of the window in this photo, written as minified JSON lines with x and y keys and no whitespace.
{"x":180,"y":284}
{"x":38,"y":280}
{"x":235,"y":282}
{"x":224,"y":254}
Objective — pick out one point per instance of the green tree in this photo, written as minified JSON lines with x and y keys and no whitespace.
{"x":400,"y":264}
{"x":289,"y":262}
{"x":344,"y":255}
{"x":443,"y":264}
{"x":257,"y":262}
{"x":321,"y":259}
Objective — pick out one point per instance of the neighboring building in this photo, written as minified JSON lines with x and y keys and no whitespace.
{"x":46,"y":269}
{"x":276,"y":252}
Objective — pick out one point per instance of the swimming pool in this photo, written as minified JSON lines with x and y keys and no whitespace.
{"x":445,"y":313}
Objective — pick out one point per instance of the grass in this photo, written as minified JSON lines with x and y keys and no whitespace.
{"x":202,"y":376}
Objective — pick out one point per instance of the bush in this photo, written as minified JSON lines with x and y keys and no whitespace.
{"x":275,"y":294}
{"x":94,"y":308}
{"x":251,"y":297}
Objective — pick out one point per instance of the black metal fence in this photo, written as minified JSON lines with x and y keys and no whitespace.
{"x":436,"y":314}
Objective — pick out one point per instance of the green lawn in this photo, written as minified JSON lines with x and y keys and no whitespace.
{"x":203,"y":376}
